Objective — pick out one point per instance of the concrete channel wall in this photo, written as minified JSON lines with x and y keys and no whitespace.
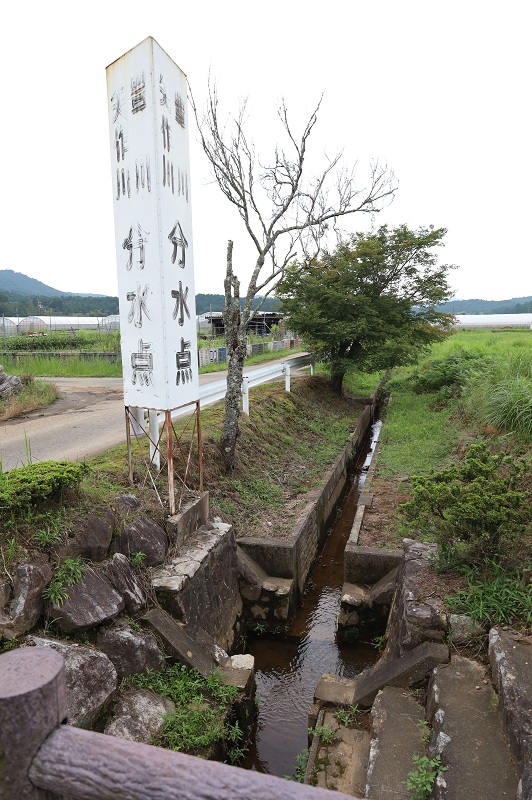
{"x":293,"y":557}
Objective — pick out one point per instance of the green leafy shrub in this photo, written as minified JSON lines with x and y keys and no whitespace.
{"x":23,"y":487}
{"x":472,"y":508}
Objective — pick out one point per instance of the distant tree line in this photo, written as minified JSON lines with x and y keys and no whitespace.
{"x":73,"y":305}
{"x":68,"y":305}
{"x":521,"y":305}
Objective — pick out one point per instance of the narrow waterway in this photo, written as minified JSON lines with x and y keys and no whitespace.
{"x":288,"y":668}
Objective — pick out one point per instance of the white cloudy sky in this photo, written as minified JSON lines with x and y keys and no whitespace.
{"x":438,"y":90}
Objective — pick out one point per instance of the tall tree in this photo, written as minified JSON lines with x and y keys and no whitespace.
{"x":370,"y":304}
{"x":285,"y":212}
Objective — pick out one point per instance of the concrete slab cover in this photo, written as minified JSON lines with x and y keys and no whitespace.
{"x":179,"y":642}
{"x":406,"y":671}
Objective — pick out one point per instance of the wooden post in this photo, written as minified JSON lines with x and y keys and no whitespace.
{"x":32,"y":704}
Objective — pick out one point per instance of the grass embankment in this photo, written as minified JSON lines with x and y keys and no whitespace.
{"x":461,"y":421}
{"x":285,"y":446}
{"x":34,"y":395}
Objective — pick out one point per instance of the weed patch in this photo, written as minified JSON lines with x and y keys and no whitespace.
{"x":68,"y":574}
{"x":497,"y":596}
{"x":420,"y":779}
{"x":200,"y":719}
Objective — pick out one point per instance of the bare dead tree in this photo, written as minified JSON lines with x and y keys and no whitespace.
{"x":286,"y":213}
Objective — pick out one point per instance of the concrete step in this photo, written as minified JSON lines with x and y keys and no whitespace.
{"x":467,"y":733}
{"x":397,"y":733}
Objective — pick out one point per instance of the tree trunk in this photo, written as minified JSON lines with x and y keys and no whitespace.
{"x":236,"y":337}
{"x":337,"y":379}
{"x":235,"y":368}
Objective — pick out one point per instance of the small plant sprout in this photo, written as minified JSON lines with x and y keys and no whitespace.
{"x":137,"y":559}
{"x":325,"y":733}
{"x":46,"y":537}
{"x":420,"y":780}
{"x":425,"y":729}
{"x":379,"y":643}
{"x":348,"y":715}
{"x":301,"y":766}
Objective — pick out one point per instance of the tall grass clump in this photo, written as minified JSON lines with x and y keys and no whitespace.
{"x":501,"y":394}
{"x":67,"y":367}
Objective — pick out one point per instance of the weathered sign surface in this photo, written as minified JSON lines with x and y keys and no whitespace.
{"x":148,"y":124}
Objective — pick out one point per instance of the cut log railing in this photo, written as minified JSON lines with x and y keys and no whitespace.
{"x":40,"y":757}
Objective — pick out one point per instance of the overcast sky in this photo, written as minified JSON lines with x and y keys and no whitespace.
{"x":439,"y":91}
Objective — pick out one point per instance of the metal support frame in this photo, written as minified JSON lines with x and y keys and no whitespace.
{"x":155,"y":435}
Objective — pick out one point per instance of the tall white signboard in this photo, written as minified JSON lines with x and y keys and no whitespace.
{"x":148,"y":124}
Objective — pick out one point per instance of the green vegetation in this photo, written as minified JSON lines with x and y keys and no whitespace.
{"x":36,"y":484}
{"x":201,"y":718}
{"x":70,"y":367}
{"x":426,"y":730}
{"x":519,"y":305}
{"x":258,"y":358}
{"x":137,"y":559}
{"x":324,"y":732}
{"x":348,"y":715}
{"x":301,"y":764}
{"x":90,"y":341}
{"x":497,"y":595}
{"x":473,"y":507}
{"x":420,"y":780}
{"x":286,"y":444}
{"x":369,"y":305}
{"x":467,"y":471}
{"x":69,"y":573}
{"x":206,"y":303}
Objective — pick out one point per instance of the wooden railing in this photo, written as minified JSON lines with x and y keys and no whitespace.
{"x":40,"y":757}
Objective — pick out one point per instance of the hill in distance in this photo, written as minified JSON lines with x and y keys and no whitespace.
{"x":516,"y":305}
{"x":19,"y":288}
{"x":18,"y":283}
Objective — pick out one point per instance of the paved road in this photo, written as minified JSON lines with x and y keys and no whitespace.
{"x":87,"y":419}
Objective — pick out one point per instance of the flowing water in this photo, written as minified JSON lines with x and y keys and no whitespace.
{"x":288,"y":668}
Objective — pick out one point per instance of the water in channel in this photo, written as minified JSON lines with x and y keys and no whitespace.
{"x":288,"y":668}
